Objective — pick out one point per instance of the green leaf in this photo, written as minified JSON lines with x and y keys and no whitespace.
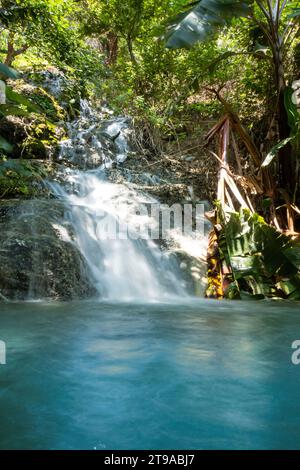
{"x":293,"y":255}
{"x":4,"y":145}
{"x":274,"y":151}
{"x":295,"y":13}
{"x":200,"y":21}
{"x":291,"y":109}
{"x":8,"y":71}
{"x":224,"y":56}
{"x":10,"y":110}
{"x":262,"y":259}
{"x":266,"y":203}
{"x":261,"y":48}
{"x":11,"y":95}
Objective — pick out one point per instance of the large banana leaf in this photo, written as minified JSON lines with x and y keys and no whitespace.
{"x":8,"y":71}
{"x":201,"y":19}
{"x":294,"y":13}
{"x":263,"y":261}
{"x":274,"y":151}
{"x":4,"y":145}
{"x":292,"y":110}
{"x":294,"y":123}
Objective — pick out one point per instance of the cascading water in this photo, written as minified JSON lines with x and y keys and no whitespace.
{"x":122,"y":269}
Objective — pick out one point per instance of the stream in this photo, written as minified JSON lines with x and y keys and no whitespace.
{"x":110,"y":222}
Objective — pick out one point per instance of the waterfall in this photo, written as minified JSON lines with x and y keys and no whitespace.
{"x":122,"y":268}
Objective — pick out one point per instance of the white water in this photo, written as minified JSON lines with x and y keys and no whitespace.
{"x":122,"y":269}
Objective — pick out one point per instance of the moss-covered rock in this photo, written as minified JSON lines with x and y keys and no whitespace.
{"x":24,"y":178}
{"x":37,"y":256}
{"x":42,"y":140}
{"x":13,"y":129}
{"x":48,"y":104}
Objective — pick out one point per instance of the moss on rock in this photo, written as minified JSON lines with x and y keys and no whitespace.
{"x":24,"y":178}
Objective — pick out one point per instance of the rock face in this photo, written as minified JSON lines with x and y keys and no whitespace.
{"x":37,"y":256}
{"x":95,"y":142}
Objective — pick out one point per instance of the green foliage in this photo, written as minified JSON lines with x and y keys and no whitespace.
{"x":202,"y":19}
{"x":20,"y":106}
{"x":110,"y":50}
{"x":292,"y":111}
{"x":19,"y":99}
{"x":21,"y":178}
{"x":8,"y":71}
{"x":4,"y":145}
{"x":47,"y":104}
{"x":263,"y":261}
{"x":274,"y":151}
{"x":41,"y":22}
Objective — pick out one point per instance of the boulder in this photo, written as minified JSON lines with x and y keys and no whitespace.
{"x":38,"y":259}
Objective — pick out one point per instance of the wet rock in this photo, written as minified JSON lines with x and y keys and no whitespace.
{"x":93,"y":143}
{"x":112,"y":128}
{"x":194,"y":270}
{"x":13,"y":129}
{"x":37,"y":256}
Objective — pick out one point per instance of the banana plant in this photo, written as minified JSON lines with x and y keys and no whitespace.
{"x":5,"y":72}
{"x":201,"y":19}
{"x":8,"y":72}
{"x":262,"y":261}
{"x":278,"y":20}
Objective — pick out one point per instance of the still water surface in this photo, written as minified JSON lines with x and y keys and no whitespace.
{"x":201,"y":375}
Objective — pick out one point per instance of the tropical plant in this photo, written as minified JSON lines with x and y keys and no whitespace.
{"x":260,"y":262}
{"x":278,"y":23}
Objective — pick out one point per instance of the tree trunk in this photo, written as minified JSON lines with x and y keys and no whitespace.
{"x":287,"y":170}
{"x":12,"y":53}
{"x":112,"y":48}
{"x":10,"y":50}
{"x":131,"y":53}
